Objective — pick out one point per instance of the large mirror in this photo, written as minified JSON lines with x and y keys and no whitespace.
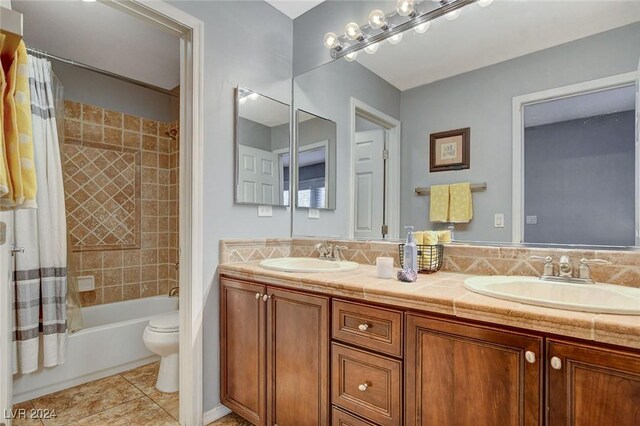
{"x":262,"y":149}
{"x":533,"y":104}
{"x":316,"y":161}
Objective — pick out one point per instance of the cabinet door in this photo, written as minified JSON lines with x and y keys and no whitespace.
{"x":242,"y":349}
{"x":459,"y":374}
{"x":297,"y":359}
{"x":589,"y":386}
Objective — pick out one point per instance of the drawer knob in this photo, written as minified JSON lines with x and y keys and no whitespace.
{"x":258,"y":295}
{"x":363,"y":327}
{"x":363,"y":387}
{"x":530,"y":357}
{"x":556,"y":363}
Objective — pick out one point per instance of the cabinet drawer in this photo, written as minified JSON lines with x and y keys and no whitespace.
{"x":366,"y":384}
{"x":342,"y":418}
{"x":371,"y":327}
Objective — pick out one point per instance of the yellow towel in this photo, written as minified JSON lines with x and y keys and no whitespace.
{"x":418,"y":237}
{"x":460,"y":204}
{"x":430,"y":238}
{"x":439,"y":205}
{"x":5,"y":182}
{"x":444,"y":237}
{"x":18,"y":141}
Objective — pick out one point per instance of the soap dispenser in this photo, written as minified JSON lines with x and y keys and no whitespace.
{"x":410,"y":252}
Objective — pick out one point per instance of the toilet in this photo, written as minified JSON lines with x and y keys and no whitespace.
{"x":161,"y":337}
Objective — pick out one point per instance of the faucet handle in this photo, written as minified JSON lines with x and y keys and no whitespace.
{"x":337,"y":252}
{"x":548,"y":264}
{"x":585,"y":272}
{"x":322,"y":249}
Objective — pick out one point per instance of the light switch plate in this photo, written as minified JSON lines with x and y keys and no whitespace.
{"x":498,"y":220}
{"x":314,"y":214}
{"x":265,"y":211}
{"x":532,"y":220}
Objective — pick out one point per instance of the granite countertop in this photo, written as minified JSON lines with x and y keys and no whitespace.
{"x":444,"y":293}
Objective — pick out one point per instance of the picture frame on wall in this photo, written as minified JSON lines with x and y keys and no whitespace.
{"x":449,"y":150}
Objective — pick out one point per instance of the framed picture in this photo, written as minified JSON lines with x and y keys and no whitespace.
{"x":449,"y":150}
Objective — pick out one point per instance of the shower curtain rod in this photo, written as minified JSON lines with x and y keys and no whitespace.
{"x":38,"y":52}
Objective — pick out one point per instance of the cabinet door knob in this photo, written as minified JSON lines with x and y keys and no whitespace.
{"x":265,"y":297}
{"x":530,"y":357}
{"x":363,"y":387}
{"x":363,"y":327}
{"x":556,"y":363}
{"x":258,"y":296}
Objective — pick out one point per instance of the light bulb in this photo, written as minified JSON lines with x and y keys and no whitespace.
{"x":422,"y":28}
{"x":330,"y":40}
{"x":351,"y":56}
{"x":395,"y":39}
{"x":253,"y":96}
{"x":352,"y":31}
{"x":405,"y":7}
{"x":372,"y":48}
{"x":242,"y":101}
{"x":453,"y":14}
{"x":484,"y":3}
{"x":377,"y":19}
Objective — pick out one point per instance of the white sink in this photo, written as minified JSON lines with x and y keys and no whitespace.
{"x":307,"y":264}
{"x":599,"y":298}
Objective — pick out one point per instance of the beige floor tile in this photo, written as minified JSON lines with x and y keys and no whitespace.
{"x":230,"y":420}
{"x":144,"y":378}
{"x":22,"y":413}
{"x":139,"y":412}
{"x":86,"y":400}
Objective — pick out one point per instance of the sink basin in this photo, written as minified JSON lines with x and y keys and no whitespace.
{"x":307,"y":264}
{"x":599,"y":298}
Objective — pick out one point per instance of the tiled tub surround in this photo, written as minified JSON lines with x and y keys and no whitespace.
{"x":443,"y":292}
{"x":138,"y":260}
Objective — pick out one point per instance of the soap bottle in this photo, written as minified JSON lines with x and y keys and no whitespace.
{"x":410,"y":252}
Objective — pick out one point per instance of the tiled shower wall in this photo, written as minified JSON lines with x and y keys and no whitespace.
{"x":144,"y":263}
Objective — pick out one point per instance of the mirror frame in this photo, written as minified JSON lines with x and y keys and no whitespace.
{"x":236,"y":149}
{"x":329,"y":191}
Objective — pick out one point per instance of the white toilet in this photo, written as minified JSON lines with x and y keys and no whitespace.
{"x":161,"y":337}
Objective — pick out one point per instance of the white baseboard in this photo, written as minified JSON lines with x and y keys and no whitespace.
{"x":214,"y":414}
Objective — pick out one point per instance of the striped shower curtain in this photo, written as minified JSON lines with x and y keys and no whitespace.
{"x":40,"y":285}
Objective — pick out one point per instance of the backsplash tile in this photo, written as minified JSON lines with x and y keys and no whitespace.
{"x":466,"y":259}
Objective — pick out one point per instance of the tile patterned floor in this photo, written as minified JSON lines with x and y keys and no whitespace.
{"x":230,"y":420}
{"x":127,"y":399}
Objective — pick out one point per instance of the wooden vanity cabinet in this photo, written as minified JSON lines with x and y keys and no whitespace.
{"x":591,"y":386}
{"x":460,"y":374}
{"x":274,"y":348}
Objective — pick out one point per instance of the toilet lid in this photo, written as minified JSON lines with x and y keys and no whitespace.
{"x":165,"y":323}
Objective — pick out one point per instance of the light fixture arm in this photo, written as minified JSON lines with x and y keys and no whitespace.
{"x":417,"y":19}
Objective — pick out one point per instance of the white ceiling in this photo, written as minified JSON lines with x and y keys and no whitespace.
{"x":265,"y":111}
{"x":103,"y":37}
{"x":581,"y":106}
{"x":484,"y":36}
{"x":294,"y":8}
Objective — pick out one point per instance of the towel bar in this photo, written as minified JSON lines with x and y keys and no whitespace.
{"x":475,"y":187}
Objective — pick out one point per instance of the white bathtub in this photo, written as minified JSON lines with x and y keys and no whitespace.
{"x":109,"y":343}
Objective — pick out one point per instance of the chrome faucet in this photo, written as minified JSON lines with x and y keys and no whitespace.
{"x":329,"y":251}
{"x":174,"y":292}
{"x":566,"y":269}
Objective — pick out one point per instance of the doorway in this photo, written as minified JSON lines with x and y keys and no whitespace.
{"x":375,"y":174}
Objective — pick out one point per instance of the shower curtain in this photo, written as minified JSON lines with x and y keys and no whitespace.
{"x":40,"y":286}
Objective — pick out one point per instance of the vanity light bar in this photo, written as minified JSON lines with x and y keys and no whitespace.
{"x":414,"y":19}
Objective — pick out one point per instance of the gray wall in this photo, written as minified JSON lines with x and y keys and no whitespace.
{"x":326,"y":91}
{"x":84,"y":86}
{"x":247,"y":43}
{"x":254,"y":134}
{"x":481,"y":99}
{"x":580,"y":181}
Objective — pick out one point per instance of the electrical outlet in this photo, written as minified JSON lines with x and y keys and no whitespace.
{"x":498,"y":220}
{"x":265,"y":211}
{"x":532,"y":220}
{"x":314,"y":214}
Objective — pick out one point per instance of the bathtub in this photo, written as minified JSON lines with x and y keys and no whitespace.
{"x":109,"y":343}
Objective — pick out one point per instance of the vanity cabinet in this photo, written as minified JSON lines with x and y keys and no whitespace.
{"x":592,"y":386}
{"x":460,"y":374}
{"x":274,"y":354}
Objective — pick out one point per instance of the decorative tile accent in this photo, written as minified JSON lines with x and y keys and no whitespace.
{"x":103,"y":203}
{"x":121,"y":202}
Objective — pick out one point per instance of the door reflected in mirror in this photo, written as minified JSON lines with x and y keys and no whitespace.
{"x":316,"y":149}
{"x":262,"y":149}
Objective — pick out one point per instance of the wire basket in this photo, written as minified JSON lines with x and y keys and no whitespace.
{"x":429,"y":257}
